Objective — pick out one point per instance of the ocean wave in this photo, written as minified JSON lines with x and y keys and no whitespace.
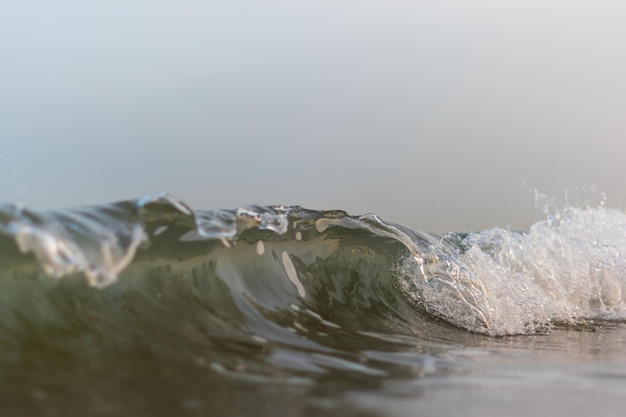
{"x":330,"y":269}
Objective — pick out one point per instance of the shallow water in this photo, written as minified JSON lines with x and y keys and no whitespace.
{"x":148,"y":307}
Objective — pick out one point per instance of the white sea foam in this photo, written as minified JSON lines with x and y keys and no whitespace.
{"x":569,"y":267}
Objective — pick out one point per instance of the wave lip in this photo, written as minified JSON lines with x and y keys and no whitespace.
{"x":102,"y":241}
{"x":99,"y":242}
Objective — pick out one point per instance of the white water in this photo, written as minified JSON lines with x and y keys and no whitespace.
{"x":567,"y":268}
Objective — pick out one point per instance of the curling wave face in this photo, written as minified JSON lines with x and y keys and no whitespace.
{"x":345,"y":272}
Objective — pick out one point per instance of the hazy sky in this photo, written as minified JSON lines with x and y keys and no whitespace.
{"x":442,"y":115}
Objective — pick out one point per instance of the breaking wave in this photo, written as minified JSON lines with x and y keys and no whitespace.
{"x":356,"y":273}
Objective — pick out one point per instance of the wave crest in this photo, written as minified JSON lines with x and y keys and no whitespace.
{"x":565,"y":269}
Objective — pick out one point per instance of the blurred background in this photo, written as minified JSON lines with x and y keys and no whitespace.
{"x":441,"y":115}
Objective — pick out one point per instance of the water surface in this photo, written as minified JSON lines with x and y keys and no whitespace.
{"x":148,"y":307}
